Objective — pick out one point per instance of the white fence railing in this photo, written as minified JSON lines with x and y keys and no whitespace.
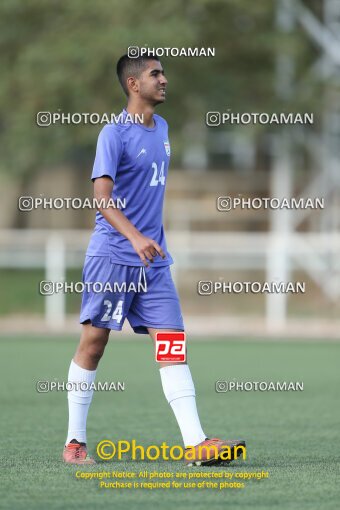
{"x":278,"y":256}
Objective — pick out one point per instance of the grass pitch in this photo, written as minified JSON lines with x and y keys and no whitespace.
{"x":292,"y":435}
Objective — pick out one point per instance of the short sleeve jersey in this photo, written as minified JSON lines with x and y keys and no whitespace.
{"x":137,"y":160}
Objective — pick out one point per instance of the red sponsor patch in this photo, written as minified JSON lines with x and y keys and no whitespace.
{"x":170,"y":346}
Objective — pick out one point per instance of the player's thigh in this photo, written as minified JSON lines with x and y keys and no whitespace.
{"x":153,"y":331}
{"x":158,"y":307}
{"x":105,"y":302}
{"x":92,"y":334}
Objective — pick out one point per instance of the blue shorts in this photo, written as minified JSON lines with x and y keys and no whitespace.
{"x":146,"y":296}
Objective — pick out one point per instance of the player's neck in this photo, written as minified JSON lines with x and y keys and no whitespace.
{"x":145,"y":110}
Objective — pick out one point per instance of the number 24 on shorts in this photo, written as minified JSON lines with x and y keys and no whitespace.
{"x":117,"y":314}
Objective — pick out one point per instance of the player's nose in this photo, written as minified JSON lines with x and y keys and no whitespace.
{"x":163,"y":81}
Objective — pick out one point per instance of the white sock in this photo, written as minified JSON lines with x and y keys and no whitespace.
{"x":179,"y":391}
{"x":78,"y":402}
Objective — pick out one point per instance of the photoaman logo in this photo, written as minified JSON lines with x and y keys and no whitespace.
{"x":170,"y":346}
{"x":107,"y":450}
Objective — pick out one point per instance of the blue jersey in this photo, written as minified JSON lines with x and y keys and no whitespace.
{"x":137,"y":160}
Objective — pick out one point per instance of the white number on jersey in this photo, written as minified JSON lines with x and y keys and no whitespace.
{"x":158,"y":178}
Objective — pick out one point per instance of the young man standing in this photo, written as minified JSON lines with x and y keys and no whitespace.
{"x":131,"y":163}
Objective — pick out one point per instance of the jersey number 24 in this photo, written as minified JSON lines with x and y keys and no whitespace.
{"x":158,"y":177}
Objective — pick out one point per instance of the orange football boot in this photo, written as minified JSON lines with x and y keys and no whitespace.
{"x":210,"y":452}
{"x":76,"y":453}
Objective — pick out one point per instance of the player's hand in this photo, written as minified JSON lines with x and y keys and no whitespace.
{"x":147,"y":249}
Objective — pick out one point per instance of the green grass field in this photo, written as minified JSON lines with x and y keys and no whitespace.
{"x":292,"y":435}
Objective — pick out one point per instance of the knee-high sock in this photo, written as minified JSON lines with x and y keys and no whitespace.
{"x":79,"y":402}
{"x":179,"y":391}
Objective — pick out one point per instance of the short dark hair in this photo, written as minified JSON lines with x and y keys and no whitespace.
{"x":127,"y":66}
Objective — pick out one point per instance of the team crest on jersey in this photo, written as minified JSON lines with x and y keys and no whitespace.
{"x":167,"y":148}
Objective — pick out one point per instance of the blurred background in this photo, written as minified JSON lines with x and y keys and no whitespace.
{"x":272,"y":56}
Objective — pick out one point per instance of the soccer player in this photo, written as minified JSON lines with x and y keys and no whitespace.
{"x":129,"y":245}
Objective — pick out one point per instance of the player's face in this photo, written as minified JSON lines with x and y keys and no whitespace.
{"x":152,"y":83}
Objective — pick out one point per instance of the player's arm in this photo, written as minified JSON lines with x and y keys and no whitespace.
{"x":146,"y":248}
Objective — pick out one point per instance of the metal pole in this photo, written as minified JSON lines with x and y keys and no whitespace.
{"x":55,"y":304}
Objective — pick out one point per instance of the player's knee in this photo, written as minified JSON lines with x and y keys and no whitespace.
{"x":93,"y":342}
{"x":91,"y":334}
{"x":95,"y":350}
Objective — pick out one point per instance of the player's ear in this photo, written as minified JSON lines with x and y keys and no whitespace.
{"x":132,"y":84}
